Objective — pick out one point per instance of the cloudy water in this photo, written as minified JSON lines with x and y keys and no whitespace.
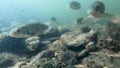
{"x":24,"y":10}
{"x":59,"y":33}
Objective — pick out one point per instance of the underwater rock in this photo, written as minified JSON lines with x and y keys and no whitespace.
{"x":91,"y":46}
{"x":113,"y":31}
{"x":85,"y":29}
{"x":52,"y":31}
{"x":32,"y":43}
{"x":31,"y":39}
{"x":46,"y":42}
{"x":83,"y":54}
{"x":48,"y":65}
{"x":53,"y":64}
{"x":33,"y":46}
{"x":68,"y":39}
{"x":60,"y":64}
{"x":3,"y":35}
{"x":72,"y":38}
{"x":100,"y":60}
{"x":63,"y":29}
{"x":70,"y":66}
{"x":13,"y":45}
{"x":94,"y":36}
{"x":79,"y":66}
{"x":47,"y":54}
{"x":8,"y":60}
{"x":56,"y":46}
{"x":36,"y":61}
{"x":77,"y":41}
{"x":6,"y":63}
{"x":113,"y":28}
{"x":94,"y":62}
{"x":77,"y":48}
{"x":67,"y":57}
{"x":20,"y":64}
{"x":109,"y":44}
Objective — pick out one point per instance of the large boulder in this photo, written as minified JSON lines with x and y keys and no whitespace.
{"x":102,"y":60}
{"x":78,"y":41}
{"x":113,"y":28}
{"x":72,"y":38}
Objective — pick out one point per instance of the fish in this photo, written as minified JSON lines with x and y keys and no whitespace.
{"x":96,"y":11}
{"x":28,"y":30}
{"x":79,"y":21}
{"x":75,"y":5}
{"x":97,"y":7}
{"x":53,"y":19}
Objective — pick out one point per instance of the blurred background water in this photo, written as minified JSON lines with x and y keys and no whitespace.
{"x":18,"y":12}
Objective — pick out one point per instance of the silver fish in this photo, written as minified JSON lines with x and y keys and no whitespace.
{"x":97,"y":12}
{"x":75,"y":5}
{"x":29,"y":30}
{"x":97,"y":6}
{"x":97,"y":9}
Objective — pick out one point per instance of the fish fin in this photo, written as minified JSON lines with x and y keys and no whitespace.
{"x":108,"y":15}
{"x":88,"y":19}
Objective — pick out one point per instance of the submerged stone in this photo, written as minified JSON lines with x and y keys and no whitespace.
{"x":48,"y":65}
{"x":68,"y":57}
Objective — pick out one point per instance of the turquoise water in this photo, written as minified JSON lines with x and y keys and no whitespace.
{"x":43,"y":9}
{"x":22,"y":11}
{"x":18,"y":12}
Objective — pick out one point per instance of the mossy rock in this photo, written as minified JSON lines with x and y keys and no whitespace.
{"x":48,"y":65}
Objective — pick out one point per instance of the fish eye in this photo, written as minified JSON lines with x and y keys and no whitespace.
{"x":97,"y":7}
{"x":18,"y":30}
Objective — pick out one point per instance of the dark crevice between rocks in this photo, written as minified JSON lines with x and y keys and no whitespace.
{"x":77,"y":48}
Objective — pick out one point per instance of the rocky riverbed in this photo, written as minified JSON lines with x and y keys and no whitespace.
{"x":85,"y":48}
